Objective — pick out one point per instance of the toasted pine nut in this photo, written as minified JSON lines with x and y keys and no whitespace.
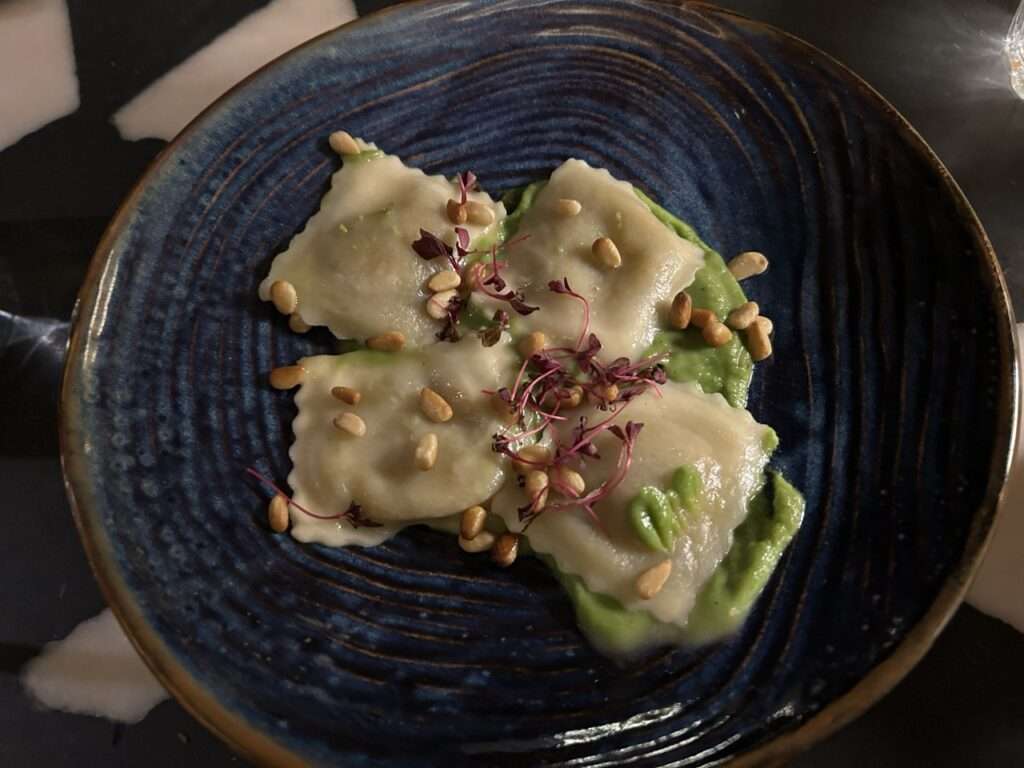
{"x":287,"y":377}
{"x":608,"y":393}
{"x":505,"y":412}
{"x":743,"y":316}
{"x":505,"y":549}
{"x":457,"y":213}
{"x":650,"y":582}
{"x":434,"y":407}
{"x":537,"y":488}
{"x":444,"y":281}
{"x":437,"y":305}
{"x":479,"y":214}
{"x":574,"y":398}
{"x":282,"y":293}
{"x":701,"y":318}
{"x":472,"y":522}
{"x":568,"y":482}
{"x":426,"y":452}
{"x":766,"y":323}
{"x":532,"y":343}
{"x":606,"y":252}
{"x":682,"y":308}
{"x":538,"y":454}
{"x":479,"y":543}
{"x":277,"y":514}
{"x":347,"y":395}
{"x":716,"y":334}
{"x":351,"y":423}
{"x":568,"y":207}
{"x":297,"y":324}
{"x":343,"y":143}
{"x":758,"y":343}
{"x":748,"y":264}
{"x":392,"y":341}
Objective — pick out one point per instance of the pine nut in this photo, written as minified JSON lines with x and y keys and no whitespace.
{"x":568,"y":482}
{"x":444,"y":281}
{"x":347,"y":395}
{"x":437,"y":305}
{"x":392,"y":341}
{"x":568,"y":207}
{"x":532,"y":343}
{"x":287,"y":376}
{"x":479,"y":543}
{"x":748,"y":264}
{"x":505,"y":549}
{"x":349,"y":422}
{"x":277,"y":514}
{"x":343,"y":143}
{"x":606,"y":252}
{"x":297,"y":324}
{"x":537,"y":488}
{"x":479,"y":214}
{"x":758,"y":343}
{"x":682,"y":309}
{"x":282,"y":293}
{"x":538,"y":454}
{"x":472,"y":522}
{"x":457,"y":213}
{"x":701,"y":318}
{"x":741,"y":317}
{"x":766,"y":323}
{"x":650,"y":582}
{"x":607,"y":393}
{"x":716,"y":334}
{"x":574,"y":398}
{"x":434,"y":406}
{"x":426,"y":452}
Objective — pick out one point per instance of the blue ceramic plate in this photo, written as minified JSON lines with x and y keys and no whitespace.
{"x":892,"y":388}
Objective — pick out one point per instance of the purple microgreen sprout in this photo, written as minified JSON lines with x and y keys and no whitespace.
{"x":353,"y":515}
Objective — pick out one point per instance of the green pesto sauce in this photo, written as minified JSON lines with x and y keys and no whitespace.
{"x":726,"y":369}
{"x":774,"y":512}
{"x":658,"y":516}
{"x":773,"y":517}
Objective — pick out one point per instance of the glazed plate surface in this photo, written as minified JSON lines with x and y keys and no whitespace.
{"x":892,"y":389}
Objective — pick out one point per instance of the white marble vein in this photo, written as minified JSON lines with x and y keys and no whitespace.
{"x":94,"y":671}
{"x":37,"y":67}
{"x":168,"y":104}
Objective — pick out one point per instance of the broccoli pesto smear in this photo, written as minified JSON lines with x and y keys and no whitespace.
{"x":723,"y":602}
{"x":658,"y":514}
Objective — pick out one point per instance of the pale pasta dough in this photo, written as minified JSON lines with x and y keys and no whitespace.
{"x":333,"y":469}
{"x":683,"y":427}
{"x":353,"y":266}
{"x":627,"y":304}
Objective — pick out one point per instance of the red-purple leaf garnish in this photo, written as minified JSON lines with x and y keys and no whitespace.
{"x":430,"y":246}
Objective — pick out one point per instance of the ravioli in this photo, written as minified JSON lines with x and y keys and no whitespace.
{"x":628,"y":304}
{"x":377,"y":471}
{"x":353,"y":267}
{"x":684,"y":427}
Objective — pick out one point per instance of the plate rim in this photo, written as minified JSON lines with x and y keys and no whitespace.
{"x":256,"y":745}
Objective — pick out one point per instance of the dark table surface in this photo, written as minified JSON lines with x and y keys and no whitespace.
{"x":939,"y":61}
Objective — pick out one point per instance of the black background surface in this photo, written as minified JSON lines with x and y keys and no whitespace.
{"x":938,"y":61}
